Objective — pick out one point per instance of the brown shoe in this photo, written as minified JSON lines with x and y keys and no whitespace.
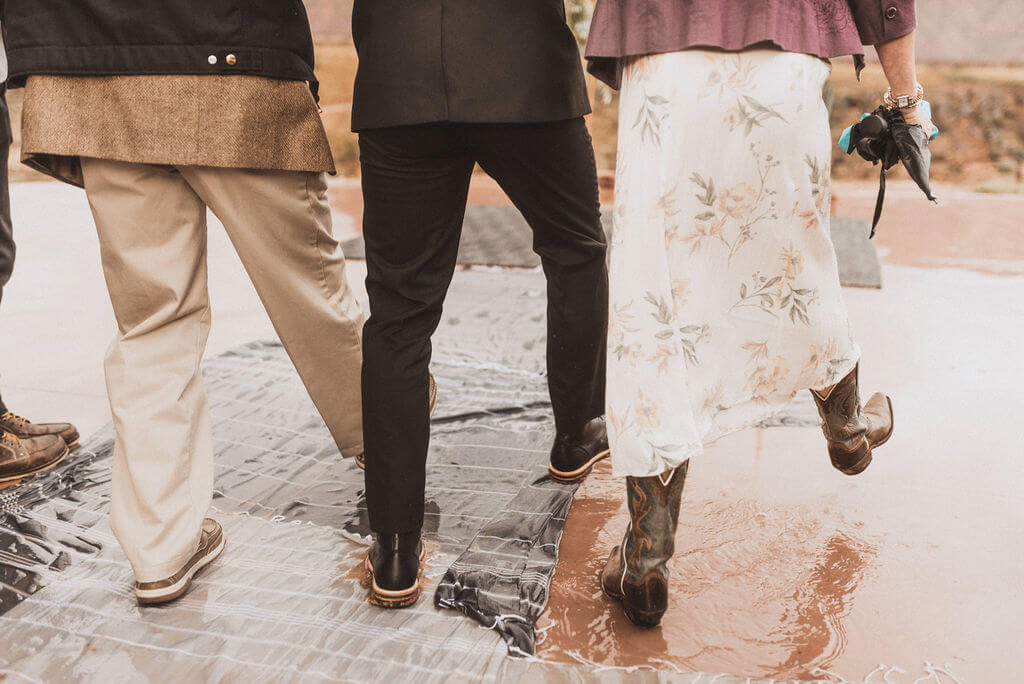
{"x":24,"y":428}
{"x":20,"y":458}
{"x":636,"y":572}
{"x":360,"y":459}
{"x":853,"y":432}
{"x":211,"y":543}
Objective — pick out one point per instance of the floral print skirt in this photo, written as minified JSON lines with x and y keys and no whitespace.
{"x":725,"y":295}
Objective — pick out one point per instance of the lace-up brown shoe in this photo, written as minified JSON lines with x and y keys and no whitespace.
{"x":360,"y":459}
{"x":24,"y":428}
{"x":211,"y":543}
{"x":20,"y":458}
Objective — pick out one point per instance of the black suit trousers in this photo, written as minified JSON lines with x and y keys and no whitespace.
{"x":415,"y":186}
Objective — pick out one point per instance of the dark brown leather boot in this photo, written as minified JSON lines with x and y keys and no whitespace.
{"x":637,"y":571}
{"x":393,"y":564}
{"x":853,"y":432}
{"x":573,"y":455}
{"x":24,"y":428}
{"x":20,"y":458}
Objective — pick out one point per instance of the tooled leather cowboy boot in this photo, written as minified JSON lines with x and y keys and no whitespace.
{"x":853,"y":432}
{"x":636,"y":572}
{"x":20,"y":458}
{"x":23,"y":428}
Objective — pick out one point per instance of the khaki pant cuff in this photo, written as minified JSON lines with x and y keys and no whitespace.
{"x":155,"y":573}
{"x":352,"y":451}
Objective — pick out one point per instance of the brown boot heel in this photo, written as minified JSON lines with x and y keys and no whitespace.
{"x":645,"y":603}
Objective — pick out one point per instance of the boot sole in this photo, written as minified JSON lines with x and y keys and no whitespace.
{"x":40,"y":469}
{"x":384,"y":598}
{"x":862,"y":465}
{"x":568,"y":477}
{"x":177,"y":590}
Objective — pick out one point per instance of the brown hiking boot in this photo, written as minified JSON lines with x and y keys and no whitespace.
{"x":20,"y":458}
{"x":24,"y":428}
{"x":636,"y":572}
{"x":211,"y":543}
{"x":360,"y":459}
{"x":853,"y":432}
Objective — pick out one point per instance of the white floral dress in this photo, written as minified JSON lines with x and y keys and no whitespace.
{"x":725,"y":296}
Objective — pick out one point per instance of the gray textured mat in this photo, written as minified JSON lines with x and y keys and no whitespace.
{"x":286,"y":602}
{"x":495,"y":235}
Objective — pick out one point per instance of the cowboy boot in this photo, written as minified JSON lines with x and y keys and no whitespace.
{"x":636,"y":572}
{"x":853,"y":432}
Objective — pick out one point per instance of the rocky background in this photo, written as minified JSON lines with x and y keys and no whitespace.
{"x":972,"y":56}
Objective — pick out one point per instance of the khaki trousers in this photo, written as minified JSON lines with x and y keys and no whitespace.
{"x":151,"y":222}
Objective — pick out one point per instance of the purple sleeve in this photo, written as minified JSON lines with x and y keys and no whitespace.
{"x":879,"y":21}
{"x":606,"y":69}
{"x":608,"y":33}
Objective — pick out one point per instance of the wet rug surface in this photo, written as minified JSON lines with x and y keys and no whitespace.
{"x":496,"y":235}
{"x":286,"y":601}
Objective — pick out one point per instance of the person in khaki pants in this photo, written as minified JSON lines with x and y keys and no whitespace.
{"x":156,"y":137}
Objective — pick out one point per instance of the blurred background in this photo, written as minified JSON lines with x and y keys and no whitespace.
{"x":790,"y":570}
{"x":971,"y":64}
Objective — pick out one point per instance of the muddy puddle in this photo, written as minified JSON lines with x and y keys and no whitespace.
{"x":910,"y":572}
{"x":783,"y":570}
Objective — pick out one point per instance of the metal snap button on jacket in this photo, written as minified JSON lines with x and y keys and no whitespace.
{"x":231,"y":60}
{"x":891,"y":13}
{"x":269,"y":38}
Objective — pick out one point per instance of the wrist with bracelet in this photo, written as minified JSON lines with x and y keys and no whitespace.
{"x":891,"y":101}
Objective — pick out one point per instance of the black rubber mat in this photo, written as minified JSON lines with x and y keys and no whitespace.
{"x":495,"y":235}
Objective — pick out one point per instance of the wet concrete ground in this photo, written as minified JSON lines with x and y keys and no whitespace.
{"x":786,"y":568}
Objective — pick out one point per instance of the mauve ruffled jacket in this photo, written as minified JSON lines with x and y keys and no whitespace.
{"x":823,"y":28}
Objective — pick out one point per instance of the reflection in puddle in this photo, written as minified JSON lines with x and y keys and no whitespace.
{"x":813,"y":628}
{"x":756,"y":590}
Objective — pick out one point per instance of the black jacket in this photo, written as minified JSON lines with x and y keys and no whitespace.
{"x":481,"y":61}
{"x":125,"y":37}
